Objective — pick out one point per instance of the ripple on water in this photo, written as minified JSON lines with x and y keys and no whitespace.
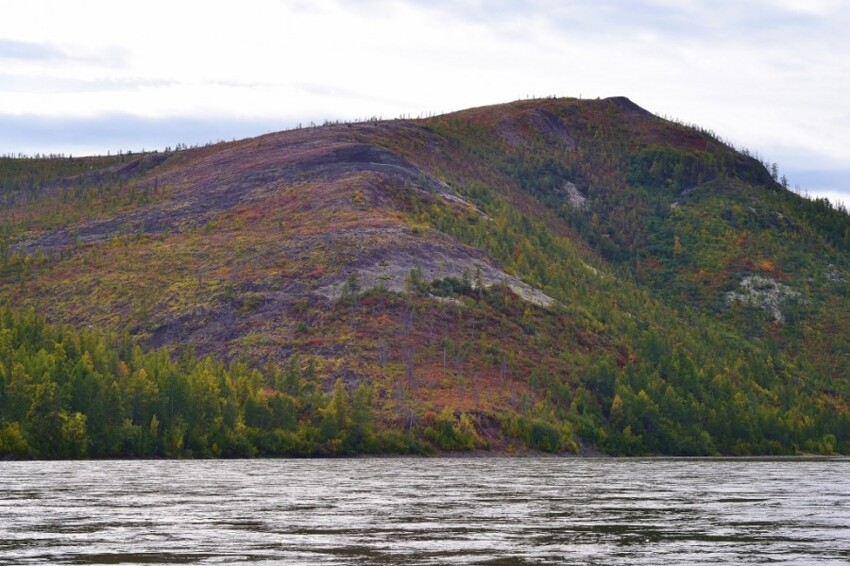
{"x":425,"y":511}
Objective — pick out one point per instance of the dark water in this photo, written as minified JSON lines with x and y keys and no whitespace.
{"x":427,"y":511}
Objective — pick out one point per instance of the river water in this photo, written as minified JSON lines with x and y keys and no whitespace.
{"x":427,"y":511}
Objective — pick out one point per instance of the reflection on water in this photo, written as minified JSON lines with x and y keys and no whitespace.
{"x":426,"y":511}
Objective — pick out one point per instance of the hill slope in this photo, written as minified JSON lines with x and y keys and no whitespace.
{"x":622,"y":281}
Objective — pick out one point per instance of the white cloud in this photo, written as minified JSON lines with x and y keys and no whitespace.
{"x":812,"y":7}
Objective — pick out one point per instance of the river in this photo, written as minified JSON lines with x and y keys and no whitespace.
{"x":427,"y":511}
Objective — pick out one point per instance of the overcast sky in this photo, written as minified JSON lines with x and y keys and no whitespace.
{"x":94,"y":76}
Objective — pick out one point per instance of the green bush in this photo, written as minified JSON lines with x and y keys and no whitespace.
{"x":12,"y":442}
{"x":450,"y":433}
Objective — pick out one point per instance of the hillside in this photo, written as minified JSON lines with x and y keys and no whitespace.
{"x":557,"y":274}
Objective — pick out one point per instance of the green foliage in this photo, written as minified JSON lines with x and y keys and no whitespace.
{"x":450,"y":432}
{"x":351,"y":288}
{"x":449,"y":286}
{"x":70,"y":394}
{"x":540,"y":434}
{"x":664,"y":167}
{"x":12,"y":441}
{"x":415,"y":282}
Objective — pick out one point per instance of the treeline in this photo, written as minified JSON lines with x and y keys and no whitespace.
{"x":31,"y":174}
{"x":76,"y":394}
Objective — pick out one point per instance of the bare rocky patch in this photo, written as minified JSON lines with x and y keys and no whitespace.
{"x":389,"y":267}
{"x":573,"y":196}
{"x":523,"y":130}
{"x":764,"y":293}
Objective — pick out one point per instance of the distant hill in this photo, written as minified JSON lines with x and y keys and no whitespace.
{"x":553,"y":274}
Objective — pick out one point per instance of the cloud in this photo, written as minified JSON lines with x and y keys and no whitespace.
{"x":42,"y":83}
{"x":49,"y":54}
{"x":28,"y":51}
{"x":819,"y":8}
{"x":837,"y":198}
{"x":822,"y":179}
{"x":830,"y":183}
{"x":688,"y":20}
{"x":110,"y":133}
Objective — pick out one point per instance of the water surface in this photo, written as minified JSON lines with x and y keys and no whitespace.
{"x":427,"y":511}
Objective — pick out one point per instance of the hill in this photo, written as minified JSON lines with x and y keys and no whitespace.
{"x":557,"y":274}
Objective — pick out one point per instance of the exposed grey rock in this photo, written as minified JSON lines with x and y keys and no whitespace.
{"x":833,"y":275}
{"x":390,"y":271}
{"x":574,"y":196}
{"x":765,"y":293}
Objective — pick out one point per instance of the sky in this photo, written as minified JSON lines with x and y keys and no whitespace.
{"x":89,"y":76}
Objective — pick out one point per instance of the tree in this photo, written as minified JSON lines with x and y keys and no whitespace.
{"x":362,"y":418}
{"x":205,"y":403}
{"x":616,"y":414}
{"x":350,"y":288}
{"x":75,"y":440}
{"x":44,"y":421}
{"x":415,"y":282}
{"x":678,"y":250}
{"x":12,"y":441}
{"x":291,"y":381}
{"x":140,"y":392}
{"x":336,"y":417}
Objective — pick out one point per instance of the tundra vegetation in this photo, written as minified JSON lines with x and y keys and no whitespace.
{"x":549,"y":275}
